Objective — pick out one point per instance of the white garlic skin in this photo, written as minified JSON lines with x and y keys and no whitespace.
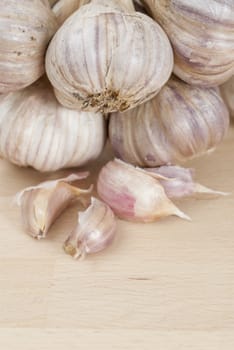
{"x":26,"y":26}
{"x":65,"y":8}
{"x":134,"y":194}
{"x":227,"y":92}
{"x":105,"y":59}
{"x":42,"y":204}
{"x":35,"y":130}
{"x":180,"y":123}
{"x":53,"y":2}
{"x":202,"y":36}
{"x":95,"y":230}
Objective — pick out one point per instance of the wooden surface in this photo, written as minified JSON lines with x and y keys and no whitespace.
{"x":165,"y":286}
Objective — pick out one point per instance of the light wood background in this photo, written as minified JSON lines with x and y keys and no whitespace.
{"x":166,"y":286}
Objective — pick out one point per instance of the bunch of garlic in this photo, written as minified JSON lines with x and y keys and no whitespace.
{"x":102,"y":56}
{"x":181,"y":122}
{"x":107,"y":57}
{"x":26,"y":26}
{"x":202,"y":36}
{"x":35,"y":130}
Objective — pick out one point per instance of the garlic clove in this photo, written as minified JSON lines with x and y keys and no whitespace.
{"x":180,"y":123}
{"x":95,"y":230}
{"x":26,"y":27}
{"x":178,"y":182}
{"x":117,"y":59}
{"x":35,"y":130}
{"x":42,"y":204}
{"x":134,"y":194}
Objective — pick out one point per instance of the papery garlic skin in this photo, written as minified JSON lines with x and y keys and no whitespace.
{"x":105,"y":59}
{"x":26,"y":26}
{"x":134,"y":194}
{"x":35,"y":130}
{"x":227,"y":92}
{"x":65,"y":8}
{"x":179,"y":183}
{"x":180,"y":123}
{"x":202,"y":35}
{"x":42,"y":204}
{"x":95,"y":230}
{"x":53,"y":2}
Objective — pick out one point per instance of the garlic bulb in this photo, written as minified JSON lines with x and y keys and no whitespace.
{"x":134,"y":194}
{"x":105,"y":58}
{"x":26,"y":26}
{"x":42,"y":204}
{"x":181,"y":122}
{"x":65,"y":8}
{"x":227,"y":92}
{"x":35,"y":130}
{"x":178,"y":183}
{"x":94,"y":231}
{"x":202,"y":35}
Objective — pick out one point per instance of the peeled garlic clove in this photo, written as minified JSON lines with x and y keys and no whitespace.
{"x":227,"y":92}
{"x":26,"y":26}
{"x":134,"y":194}
{"x":94,"y":231}
{"x":42,"y":204}
{"x":105,"y":58}
{"x":202,"y":35}
{"x":180,"y":123}
{"x":178,"y":182}
{"x":65,"y":8}
{"x":35,"y":130}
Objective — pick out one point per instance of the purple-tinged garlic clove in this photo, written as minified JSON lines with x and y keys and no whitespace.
{"x":134,"y":194}
{"x":94,"y":231}
{"x":179,"y":182}
{"x":42,"y":204}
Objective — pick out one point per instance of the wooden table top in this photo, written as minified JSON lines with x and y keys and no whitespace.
{"x":167,"y":285}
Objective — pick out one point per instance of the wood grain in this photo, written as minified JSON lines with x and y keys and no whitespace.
{"x":167,"y":285}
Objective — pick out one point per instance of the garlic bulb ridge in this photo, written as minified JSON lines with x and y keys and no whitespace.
{"x":35,"y":130}
{"x":26,"y":26}
{"x":227,"y":92}
{"x":179,"y":123}
{"x":202,"y":35}
{"x":104,"y":58}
